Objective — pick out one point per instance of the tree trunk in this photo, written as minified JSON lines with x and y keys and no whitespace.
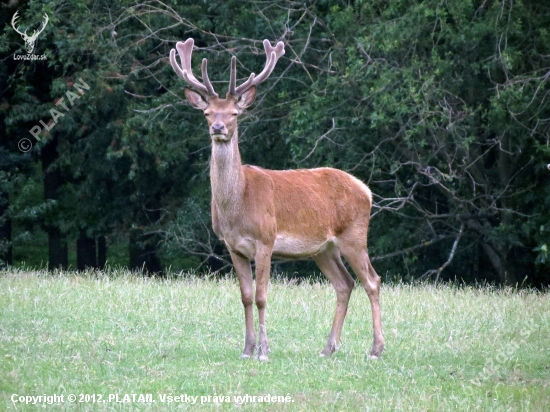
{"x":101,"y":252}
{"x":498,"y":260}
{"x":58,"y":257}
{"x":143,"y":254}
{"x":136,"y":251}
{"x":506,"y":171}
{"x":5,"y":232}
{"x":57,"y":243}
{"x":143,"y":247}
{"x":85,"y":252}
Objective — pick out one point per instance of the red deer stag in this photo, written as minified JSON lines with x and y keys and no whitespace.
{"x":319,"y":213}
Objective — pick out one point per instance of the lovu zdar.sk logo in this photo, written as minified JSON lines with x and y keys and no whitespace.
{"x":30,"y":41}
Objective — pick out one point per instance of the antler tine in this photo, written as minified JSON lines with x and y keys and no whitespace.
{"x":232,"y":77}
{"x":273,"y":54}
{"x":233,"y":90}
{"x":185,"y":71}
{"x":204,"y":71}
{"x":37,"y":32}
{"x":13,"y":19}
{"x":185,"y":50}
{"x":46,"y":20}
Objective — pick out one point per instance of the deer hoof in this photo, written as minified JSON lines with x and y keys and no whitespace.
{"x":376,"y":351}
{"x":328,"y":350}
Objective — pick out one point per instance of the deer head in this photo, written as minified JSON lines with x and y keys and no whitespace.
{"x":29,"y":40}
{"x":221,"y":114}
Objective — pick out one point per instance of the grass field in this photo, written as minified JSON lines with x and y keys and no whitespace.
{"x":447,"y":348}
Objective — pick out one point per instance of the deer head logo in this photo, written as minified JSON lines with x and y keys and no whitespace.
{"x":29,"y":40}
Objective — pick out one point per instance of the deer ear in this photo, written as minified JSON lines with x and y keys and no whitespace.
{"x":195,"y":99}
{"x":247,"y":98}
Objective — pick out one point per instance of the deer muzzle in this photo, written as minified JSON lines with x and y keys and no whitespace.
{"x":219,"y":132}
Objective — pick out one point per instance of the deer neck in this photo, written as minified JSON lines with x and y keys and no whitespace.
{"x":226,"y":174}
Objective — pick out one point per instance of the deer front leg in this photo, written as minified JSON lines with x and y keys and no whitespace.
{"x":263,"y":267}
{"x":244,"y":274}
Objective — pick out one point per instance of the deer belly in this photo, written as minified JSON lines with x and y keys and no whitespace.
{"x":295,"y":248}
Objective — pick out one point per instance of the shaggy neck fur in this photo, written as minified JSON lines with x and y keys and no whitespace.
{"x":226,"y":175}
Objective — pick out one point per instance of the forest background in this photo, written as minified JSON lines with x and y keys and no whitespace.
{"x":441,"y":107}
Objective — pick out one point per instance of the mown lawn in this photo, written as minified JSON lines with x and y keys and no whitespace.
{"x":447,"y":348}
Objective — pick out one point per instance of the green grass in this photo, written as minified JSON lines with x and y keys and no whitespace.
{"x":123,"y":334}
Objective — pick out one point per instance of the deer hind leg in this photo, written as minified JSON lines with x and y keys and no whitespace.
{"x":332,"y":267}
{"x":244,"y":274}
{"x":358,"y":258}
